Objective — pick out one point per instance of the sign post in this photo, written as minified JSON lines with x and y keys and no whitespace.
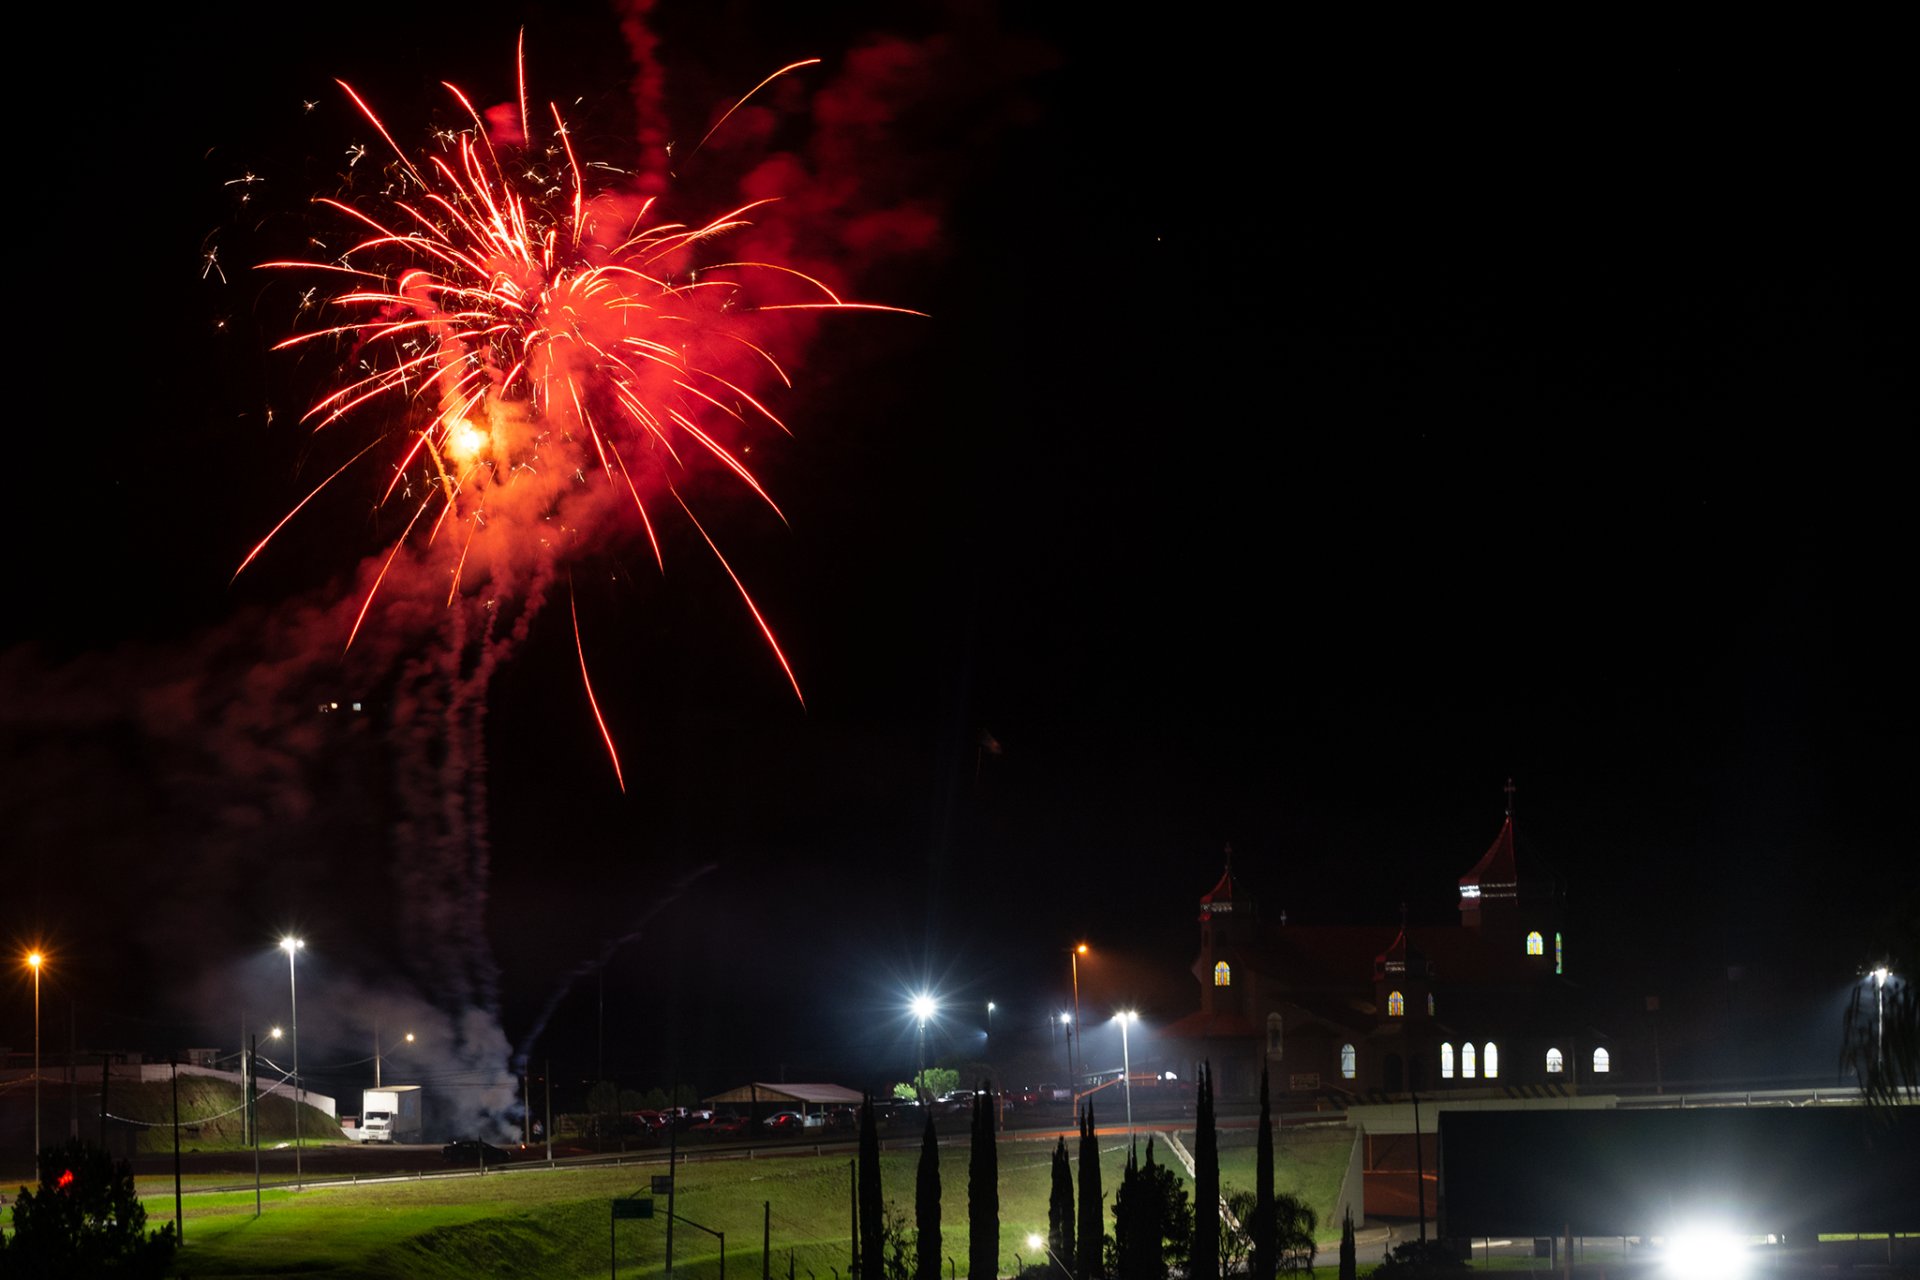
{"x":623,"y":1207}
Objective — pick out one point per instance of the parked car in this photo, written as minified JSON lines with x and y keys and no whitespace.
{"x":473,"y":1151}
{"x":785,"y":1122}
{"x":721,"y":1126}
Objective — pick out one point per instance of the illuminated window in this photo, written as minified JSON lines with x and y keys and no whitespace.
{"x":1555,"y":1063}
{"x":1273,"y":1034}
{"x":1490,"y":1061}
{"x":1601,"y":1062}
{"x":1559,"y":954}
{"x":1429,"y":1004}
{"x":1396,"y":1005}
{"x":1536,"y":945}
{"x":1222,"y":975}
{"x":1446,"y":1062}
{"x":1466,"y":1061}
{"x":1346,"y":1062}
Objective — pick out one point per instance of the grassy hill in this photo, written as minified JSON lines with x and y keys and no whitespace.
{"x":211,"y":1115}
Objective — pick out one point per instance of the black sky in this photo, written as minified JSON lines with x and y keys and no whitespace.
{"x":1313,"y":429}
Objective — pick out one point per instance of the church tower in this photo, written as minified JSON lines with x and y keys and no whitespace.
{"x":1227,"y":935}
{"x":1521,"y":928}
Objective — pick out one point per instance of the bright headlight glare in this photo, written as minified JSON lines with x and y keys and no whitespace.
{"x":1707,"y":1253}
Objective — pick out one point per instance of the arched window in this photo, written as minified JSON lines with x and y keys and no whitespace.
{"x":1466,"y":1060}
{"x":1446,"y":1062}
{"x":1490,"y":1061}
{"x":1347,"y":1064}
{"x":1273,"y":1034}
{"x":1555,"y":1063}
{"x":1429,"y":1004}
{"x":1602,"y":1063}
{"x":1559,"y":954}
{"x":1536,"y":945}
{"x":1222,"y":975}
{"x":1396,"y":1005}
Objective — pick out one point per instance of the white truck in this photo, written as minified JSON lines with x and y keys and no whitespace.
{"x":396,"y":1113}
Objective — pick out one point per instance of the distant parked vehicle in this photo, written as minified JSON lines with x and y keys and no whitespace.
{"x":721,"y":1126}
{"x":785,"y":1122}
{"x":473,"y":1151}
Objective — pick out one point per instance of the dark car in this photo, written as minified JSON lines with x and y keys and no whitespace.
{"x":721,"y":1127}
{"x":473,"y":1151}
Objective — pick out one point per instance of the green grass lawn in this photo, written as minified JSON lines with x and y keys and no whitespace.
{"x":1307,"y":1162}
{"x":534,"y":1222}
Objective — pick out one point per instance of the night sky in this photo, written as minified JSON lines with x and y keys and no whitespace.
{"x":1311,"y":430}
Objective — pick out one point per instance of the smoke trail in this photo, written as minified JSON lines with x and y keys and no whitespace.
{"x":588,"y":967}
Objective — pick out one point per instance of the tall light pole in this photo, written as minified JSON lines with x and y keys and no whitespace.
{"x":376,"y":1051}
{"x":1126,"y":1069}
{"x":990,"y":1007}
{"x":34,"y":961}
{"x":291,"y":945}
{"x":1880,"y":976}
{"x":1066,"y":1029}
{"x":1074,"y":1084}
{"x":923,"y":1009}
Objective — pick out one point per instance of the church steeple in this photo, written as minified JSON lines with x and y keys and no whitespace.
{"x":1494,"y":882}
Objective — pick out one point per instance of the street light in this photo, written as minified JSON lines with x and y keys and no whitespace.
{"x":34,"y":961}
{"x":1880,"y":976}
{"x":376,"y":1051}
{"x":1126,"y":1067}
{"x":292,"y":945}
{"x":924,"y":1007}
{"x":990,"y":1008}
{"x":1066,"y":1032}
{"x":1074,"y":958}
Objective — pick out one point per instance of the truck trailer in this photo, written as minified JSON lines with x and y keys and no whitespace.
{"x":396,"y":1113}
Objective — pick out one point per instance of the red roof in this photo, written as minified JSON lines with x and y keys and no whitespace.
{"x":1495,"y":875}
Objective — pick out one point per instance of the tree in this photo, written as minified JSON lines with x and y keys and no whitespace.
{"x":1152,"y":1221}
{"x":1060,"y":1208}
{"x":983,"y":1191}
{"x":926,"y":1207}
{"x":1205,"y":1260}
{"x":872,"y":1204}
{"x":1880,"y":1035}
{"x":1294,"y":1226}
{"x":84,"y":1220}
{"x":1093,"y":1212}
{"x":1349,"y":1256}
{"x":1236,"y":1237}
{"x":1265,"y":1264}
{"x":934,"y":1080}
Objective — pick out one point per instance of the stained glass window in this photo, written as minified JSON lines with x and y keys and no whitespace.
{"x":1396,"y":1005}
{"x":1490,"y":1061}
{"x":1446,"y":1062}
{"x":1555,"y":1063}
{"x":1222,"y":975}
{"x":1602,"y":1063}
{"x":1466,"y":1061}
{"x":1536,"y":945}
{"x":1346,"y":1062}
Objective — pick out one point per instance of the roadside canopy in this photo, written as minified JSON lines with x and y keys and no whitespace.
{"x":798,"y":1096}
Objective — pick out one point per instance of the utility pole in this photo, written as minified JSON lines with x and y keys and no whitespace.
{"x":253,"y":1113}
{"x":179,"y":1218}
{"x":549,"y":1110}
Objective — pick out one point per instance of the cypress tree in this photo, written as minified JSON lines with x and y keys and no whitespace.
{"x":872,"y":1207}
{"x":1349,"y":1260}
{"x":1060,"y":1208}
{"x":1092,"y":1263}
{"x":983,"y":1192}
{"x":926,"y":1207}
{"x":1204,"y":1259}
{"x":1265,"y":1262}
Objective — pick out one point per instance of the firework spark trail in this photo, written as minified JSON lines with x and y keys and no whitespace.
{"x":546,"y":348}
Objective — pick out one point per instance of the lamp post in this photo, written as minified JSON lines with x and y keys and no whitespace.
{"x":924,"y":1008}
{"x":376,"y":1051}
{"x":1074,"y":959}
{"x":34,"y":961}
{"x":990,"y":1008}
{"x":291,"y":945}
{"x":1880,"y":976}
{"x":1126,"y":1068}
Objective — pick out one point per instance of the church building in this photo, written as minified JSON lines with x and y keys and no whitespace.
{"x":1356,"y":1012}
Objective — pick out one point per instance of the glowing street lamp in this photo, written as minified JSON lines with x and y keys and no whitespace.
{"x":1073,"y":956}
{"x":376,"y":1051}
{"x":924,"y":1007}
{"x":291,"y":945}
{"x":34,"y":961}
{"x":1126,"y":1067}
